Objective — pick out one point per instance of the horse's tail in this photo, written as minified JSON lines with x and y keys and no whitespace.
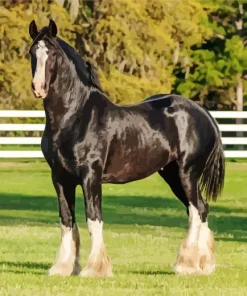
{"x":212,"y":179}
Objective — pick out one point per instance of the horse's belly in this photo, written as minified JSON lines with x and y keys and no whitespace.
{"x":134,"y":167}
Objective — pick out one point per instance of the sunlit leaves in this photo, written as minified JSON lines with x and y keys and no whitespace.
{"x":141,"y":41}
{"x":140,"y":48}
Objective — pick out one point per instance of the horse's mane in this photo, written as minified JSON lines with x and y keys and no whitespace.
{"x":83,"y":68}
{"x":93,"y":74}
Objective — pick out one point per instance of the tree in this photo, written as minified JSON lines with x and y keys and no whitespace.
{"x":218,"y":67}
{"x":135,"y":45}
{"x":139,"y":48}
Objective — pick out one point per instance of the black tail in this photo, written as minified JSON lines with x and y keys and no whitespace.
{"x":212,"y":179}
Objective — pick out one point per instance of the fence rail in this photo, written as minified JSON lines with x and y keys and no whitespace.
{"x":8,"y":127}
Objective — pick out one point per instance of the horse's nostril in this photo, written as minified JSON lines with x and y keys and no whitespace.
{"x":32,"y":86}
{"x":45,"y":86}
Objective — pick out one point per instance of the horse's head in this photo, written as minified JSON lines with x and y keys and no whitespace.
{"x":43,"y":53}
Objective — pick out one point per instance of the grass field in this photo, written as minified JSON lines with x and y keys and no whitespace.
{"x":144,"y":225}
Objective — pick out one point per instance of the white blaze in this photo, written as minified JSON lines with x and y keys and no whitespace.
{"x":39,"y":76}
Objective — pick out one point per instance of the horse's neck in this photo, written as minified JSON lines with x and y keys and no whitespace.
{"x":64,"y":101}
{"x":67,"y":99}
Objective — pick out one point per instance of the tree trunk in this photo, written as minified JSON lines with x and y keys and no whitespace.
{"x":187,"y":67}
{"x":239,"y":88}
{"x":240,"y":104}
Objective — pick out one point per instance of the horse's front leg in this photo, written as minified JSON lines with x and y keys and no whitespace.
{"x":67,"y":261}
{"x":98,"y":264}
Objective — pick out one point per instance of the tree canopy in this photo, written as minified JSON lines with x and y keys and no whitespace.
{"x":139,"y":48}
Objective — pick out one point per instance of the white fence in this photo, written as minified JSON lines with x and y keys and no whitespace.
{"x":40,"y":127}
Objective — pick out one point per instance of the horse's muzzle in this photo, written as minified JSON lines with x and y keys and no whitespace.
{"x":40,"y":91}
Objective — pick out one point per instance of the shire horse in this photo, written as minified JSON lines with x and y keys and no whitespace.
{"x":88,"y":140}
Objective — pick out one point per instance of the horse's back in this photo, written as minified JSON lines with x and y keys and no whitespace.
{"x":168,"y":100}
{"x":156,"y":97}
{"x":192,"y":122}
{"x":172,"y":103}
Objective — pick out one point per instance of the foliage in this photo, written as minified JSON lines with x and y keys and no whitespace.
{"x":140,"y":48}
{"x":218,"y":66}
{"x":137,"y":44}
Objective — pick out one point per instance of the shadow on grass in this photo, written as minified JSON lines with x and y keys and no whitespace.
{"x":26,"y":267}
{"x":117,"y":210}
{"x":121,"y":210}
{"x":238,"y":237}
{"x":153,"y":272}
{"x":37,"y":210}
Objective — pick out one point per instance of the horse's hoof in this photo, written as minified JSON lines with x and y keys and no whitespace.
{"x":208,"y":268}
{"x":64,"y":269}
{"x":89,"y":272}
{"x":187,"y":260}
{"x":98,"y":265}
{"x":186,"y":270}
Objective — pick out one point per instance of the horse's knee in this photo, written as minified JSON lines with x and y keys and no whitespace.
{"x":203,"y":209}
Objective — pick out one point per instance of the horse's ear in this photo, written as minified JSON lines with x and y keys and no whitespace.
{"x":33,"y":31}
{"x":52,"y":28}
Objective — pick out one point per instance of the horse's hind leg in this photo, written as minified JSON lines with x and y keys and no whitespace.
{"x":170,"y":173}
{"x":206,"y":241}
{"x":196,"y":253}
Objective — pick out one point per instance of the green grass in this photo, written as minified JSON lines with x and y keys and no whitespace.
{"x":20,"y":148}
{"x":144,"y":225}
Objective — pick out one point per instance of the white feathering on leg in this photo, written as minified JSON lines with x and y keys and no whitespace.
{"x":98,"y":263}
{"x":206,"y":249}
{"x":67,"y":262}
{"x":188,"y":256}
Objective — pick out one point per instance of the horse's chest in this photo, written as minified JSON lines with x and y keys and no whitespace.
{"x":66,"y":156}
{"x":63,"y":158}
{"x":72,"y":155}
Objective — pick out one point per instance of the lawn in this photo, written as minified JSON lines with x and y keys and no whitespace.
{"x":144,"y":225}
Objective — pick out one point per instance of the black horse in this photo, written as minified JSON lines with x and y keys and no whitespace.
{"x":88,"y":141}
